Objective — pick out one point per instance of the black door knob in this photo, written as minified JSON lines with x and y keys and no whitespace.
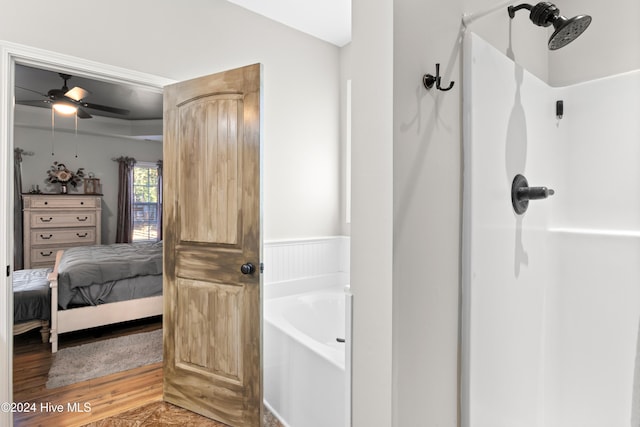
{"x":247,"y":268}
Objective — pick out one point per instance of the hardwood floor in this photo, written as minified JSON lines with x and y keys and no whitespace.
{"x":106,"y":396}
{"x":165,"y":414}
{"x":129,"y":398}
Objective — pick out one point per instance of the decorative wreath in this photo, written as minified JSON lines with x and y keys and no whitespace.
{"x":59,"y":173}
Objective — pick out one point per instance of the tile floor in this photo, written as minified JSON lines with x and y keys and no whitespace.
{"x":165,"y":414}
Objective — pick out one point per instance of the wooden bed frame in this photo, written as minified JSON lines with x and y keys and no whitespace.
{"x":75,"y":319}
{"x":23,"y":327}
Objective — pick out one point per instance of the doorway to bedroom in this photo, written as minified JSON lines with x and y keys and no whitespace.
{"x":94,"y":145}
{"x":156,"y":84}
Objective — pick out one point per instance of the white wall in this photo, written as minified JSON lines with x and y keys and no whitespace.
{"x":98,"y":141}
{"x":169,"y":39}
{"x":608,"y":46}
{"x":372,"y":211}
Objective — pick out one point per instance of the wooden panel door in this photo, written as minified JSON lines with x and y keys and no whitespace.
{"x":212,"y":246}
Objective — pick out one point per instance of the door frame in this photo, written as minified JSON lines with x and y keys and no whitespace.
{"x":11,"y":54}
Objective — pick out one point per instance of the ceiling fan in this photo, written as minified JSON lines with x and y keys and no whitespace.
{"x":69,"y":101}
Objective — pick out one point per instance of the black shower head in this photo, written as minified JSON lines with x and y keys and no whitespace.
{"x":545,"y":14}
{"x":567,"y":30}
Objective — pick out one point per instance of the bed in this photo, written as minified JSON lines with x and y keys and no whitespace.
{"x":31,"y":301}
{"x":104,"y":284}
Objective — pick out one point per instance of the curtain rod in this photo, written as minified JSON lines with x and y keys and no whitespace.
{"x":117,"y":159}
{"x":23,"y":152}
{"x":468,"y":18}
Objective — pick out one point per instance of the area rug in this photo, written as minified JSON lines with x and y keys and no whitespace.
{"x":87,"y":361}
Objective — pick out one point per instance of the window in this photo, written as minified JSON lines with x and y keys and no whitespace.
{"x":147,"y":202}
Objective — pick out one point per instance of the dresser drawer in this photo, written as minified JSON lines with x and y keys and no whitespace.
{"x":66,"y":202}
{"x":81,"y":236}
{"x":58,"y":221}
{"x":44,"y":255}
{"x":62,"y":219}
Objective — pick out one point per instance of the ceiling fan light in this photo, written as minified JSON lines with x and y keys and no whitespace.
{"x":64,"y":108}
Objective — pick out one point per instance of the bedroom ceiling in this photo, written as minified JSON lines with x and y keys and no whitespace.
{"x":143,"y":104}
{"x":329,"y":20}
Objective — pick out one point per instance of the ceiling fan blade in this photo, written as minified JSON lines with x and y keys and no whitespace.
{"x":83,"y":114}
{"x":31,"y":90}
{"x":35,"y":103}
{"x":77,"y":93}
{"x":113,"y":110}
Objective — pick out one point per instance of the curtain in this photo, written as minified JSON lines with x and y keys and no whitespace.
{"x":124,"y":232}
{"x":18,"y":251}
{"x":159,"y":199}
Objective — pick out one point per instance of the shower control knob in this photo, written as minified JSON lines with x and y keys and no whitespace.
{"x":247,"y":268}
{"x":534,"y":193}
{"x":521,"y":193}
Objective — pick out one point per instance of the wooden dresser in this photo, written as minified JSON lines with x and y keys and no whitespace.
{"x":58,"y":221}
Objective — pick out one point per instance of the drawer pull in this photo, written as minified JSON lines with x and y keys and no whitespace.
{"x":82,"y":219}
{"x":48,"y":254}
{"x":46,"y":203}
{"x":82,"y":203}
{"x":45,"y":220}
{"x":42,"y":236}
{"x":82,"y":235}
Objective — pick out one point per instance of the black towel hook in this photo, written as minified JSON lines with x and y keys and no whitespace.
{"x":429,"y":79}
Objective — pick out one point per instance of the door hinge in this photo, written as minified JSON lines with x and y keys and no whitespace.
{"x":261,"y":267}
{"x":8,"y":270}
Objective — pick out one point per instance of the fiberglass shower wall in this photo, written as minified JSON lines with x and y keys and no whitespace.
{"x":551,"y":297}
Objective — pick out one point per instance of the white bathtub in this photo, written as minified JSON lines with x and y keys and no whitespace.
{"x":304,"y":364}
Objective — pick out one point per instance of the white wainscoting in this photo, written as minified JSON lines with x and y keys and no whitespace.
{"x":302,"y":265}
